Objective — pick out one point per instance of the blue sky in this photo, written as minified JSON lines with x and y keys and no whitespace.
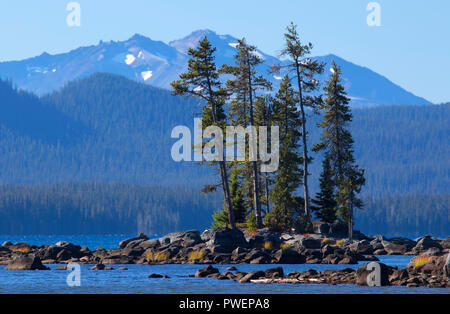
{"x":411,"y":47}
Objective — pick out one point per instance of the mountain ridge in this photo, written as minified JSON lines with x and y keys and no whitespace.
{"x":157,"y":63}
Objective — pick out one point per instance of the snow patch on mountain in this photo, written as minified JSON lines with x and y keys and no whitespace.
{"x":146,"y":75}
{"x":130,"y":59}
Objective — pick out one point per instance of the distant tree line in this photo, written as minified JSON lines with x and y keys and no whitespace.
{"x":410,"y":214}
{"x":102,"y":208}
{"x":108,"y":208}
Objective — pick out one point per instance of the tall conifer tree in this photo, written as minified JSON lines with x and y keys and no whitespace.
{"x":245,"y":84}
{"x":324,"y":204}
{"x":288,"y":177}
{"x":337,"y":142}
{"x":202,"y":80}
{"x":304,"y":71}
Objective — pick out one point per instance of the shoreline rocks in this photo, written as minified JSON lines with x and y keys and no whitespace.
{"x":26,"y":262}
{"x":226,"y":246}
{"x":389,"y":276}
{"x":430,"y":267}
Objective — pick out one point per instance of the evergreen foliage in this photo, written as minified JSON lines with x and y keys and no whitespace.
{"x":305,"y":71}
{"x":325,"y":205}
{"x":338,"y":142}
{"x":289,"y":175}
{"x":202,"y":81}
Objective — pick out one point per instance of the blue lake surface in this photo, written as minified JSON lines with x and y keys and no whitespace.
{"x":135,"y":279}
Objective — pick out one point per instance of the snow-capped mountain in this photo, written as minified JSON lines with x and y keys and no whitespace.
{"x":157,"y":63}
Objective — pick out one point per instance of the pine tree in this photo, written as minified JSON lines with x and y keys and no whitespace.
{"x":263,"y":116}
{"x":347,"y":198}
{"x":336,"y":138}
{"x":325,"y":202}
{"x":220,"y":218}
{"x":237,"y":196}
{"x":305,"y":72}
{"x":288,"y":177}
{"x":338,"y":142}
{"x":245,"y":84}
{"x":202,"y":81}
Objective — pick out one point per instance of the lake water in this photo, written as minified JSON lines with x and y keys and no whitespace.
{"x":135,"y":279}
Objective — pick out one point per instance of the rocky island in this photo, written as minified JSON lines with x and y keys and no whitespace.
{"x":429,"y":266}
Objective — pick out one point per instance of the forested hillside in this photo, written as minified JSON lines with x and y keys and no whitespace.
{"x":118,"y":130}
{"x":106,"y":128}
{"x":101,"y":208}
{"x":404,"y":149}
{"x":126,"y":137}
{"x":93,"y":208}
{"x":411,"y":214}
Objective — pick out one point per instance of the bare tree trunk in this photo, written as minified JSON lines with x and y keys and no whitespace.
{"x":350,"y":221}
{"x":223,"y":169}
{"x":226,"y":192}
{"x":266,"y":177}
{"x":305,"y":147}
{"x":256,"y":192}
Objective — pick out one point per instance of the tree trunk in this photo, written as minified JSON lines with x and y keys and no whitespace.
{"x":226,"y":192}
{"x":223,"y":169}
{"x":350,"y":222}
{"x":256,"y":192}
{"x":266,"y":177}
{"x":305,"y":147}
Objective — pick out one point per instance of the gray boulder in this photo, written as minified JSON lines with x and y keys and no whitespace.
{"x":362,"y":247}
{"x":124,"y":243}
{"x":394,"y":249}
{"x":376,"y":244}
{"x":225,"y":240}
{"x":263,"y":236}
{"x":187,"y":238}
{"x":192,"y":238}
{"x":206,"y":271}
{"x":26,"y":262}
{"x":403,"y":241}
{"x":426,"y":243}
{"x":149,"y":244}
{"x":252,"y":276}
{"x":289,"y":256}
{"x":276,"y":272}
{"x":310,"y":243}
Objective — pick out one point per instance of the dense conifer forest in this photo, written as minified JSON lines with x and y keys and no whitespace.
{"x":106,"y":128}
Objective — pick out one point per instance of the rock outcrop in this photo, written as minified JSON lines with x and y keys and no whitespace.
{"x":26,"y":262}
